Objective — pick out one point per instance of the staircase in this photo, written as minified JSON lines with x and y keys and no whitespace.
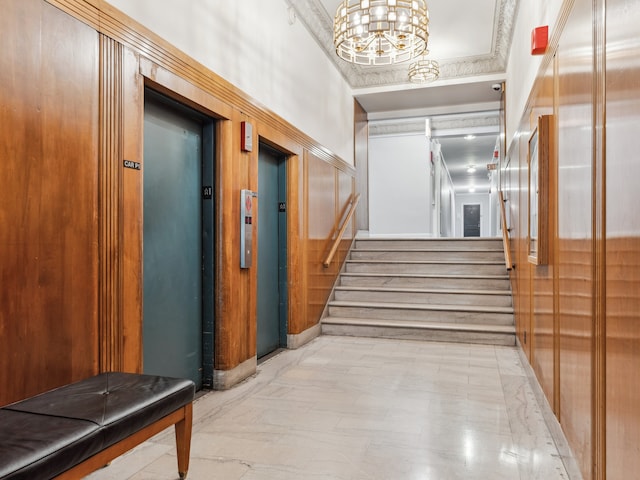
{"x":450,"y":290}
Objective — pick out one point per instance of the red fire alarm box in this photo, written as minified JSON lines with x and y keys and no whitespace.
{"x":539,"y":40}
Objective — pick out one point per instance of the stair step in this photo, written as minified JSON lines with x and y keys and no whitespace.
{"x":469,"y":327}
{"x":422,"y":306}
{"x":428,"y":262}
{"x":410,"y":330}
{"x":426,"y":290}
{"x":440,"y":243}
{"x":472,"y":314}
{"x":424,"y":280}
{"x":454,"y":290}
{"x":483,"y":255}
{"x":433,"y":267}
{"x":420,"y":295}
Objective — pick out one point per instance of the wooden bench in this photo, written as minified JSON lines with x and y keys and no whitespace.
{"x":74,"y":430}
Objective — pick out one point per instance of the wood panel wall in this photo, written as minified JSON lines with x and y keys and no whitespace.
{"x":542,"y":276}
{"x":582,"y":310}
{"x":48,"y":202}
{"x":323,"y":190}
{"x":72,"y":79}
{"x":575,"y":235}
{"x":622,"y":267}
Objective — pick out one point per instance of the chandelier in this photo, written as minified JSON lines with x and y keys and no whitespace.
{"x":380,"y":32}
{"x":424,"y":70}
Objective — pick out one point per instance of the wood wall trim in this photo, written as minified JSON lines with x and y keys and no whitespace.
{"x":553,"y":211}
{"x":226,"y":261}
{"x":599,"y":370}
{"x":297,"y":305}
{"x":110,"y":198}
{"x":111,"y":22}
{"x":131,"y":208}
{"x":172,"y":85}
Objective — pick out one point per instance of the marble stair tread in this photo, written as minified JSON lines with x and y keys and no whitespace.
{"x":448,"y":240}
{"x":424,"y":280}
{"x":375,"y":322}
{"x":435,"y":249}
{"x":421,"y":306}
{"x":427,"y":255}
{"x":425,"y":275}
{"x":422,"y":290}
{"x":443,"y":244}
{"x":428,"y":262}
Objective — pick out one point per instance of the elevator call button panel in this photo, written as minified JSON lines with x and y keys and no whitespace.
{"x":246,"y":227}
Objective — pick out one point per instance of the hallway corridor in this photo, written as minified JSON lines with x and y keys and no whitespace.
{"x":365,"y":409}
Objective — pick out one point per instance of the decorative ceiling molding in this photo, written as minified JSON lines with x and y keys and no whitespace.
{"x":319,"y":23}
{"x":417,"y":125}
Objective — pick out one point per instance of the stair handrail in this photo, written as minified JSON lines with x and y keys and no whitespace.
{"x":505,"y":233}
{"x":336,"y":242}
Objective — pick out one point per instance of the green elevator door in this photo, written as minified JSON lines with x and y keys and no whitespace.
{"x":172,"y":241}
{"x":272,"y":251}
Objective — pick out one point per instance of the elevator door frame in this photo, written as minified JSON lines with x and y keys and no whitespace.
{"x":281,"y":247}
{"x":207,"y":230}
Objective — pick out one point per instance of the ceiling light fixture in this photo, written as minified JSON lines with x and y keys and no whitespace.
{"x":469,"y":137}
{"x":471,"y":169}
{"x":380,"y":32}
{"x":424,"y":70}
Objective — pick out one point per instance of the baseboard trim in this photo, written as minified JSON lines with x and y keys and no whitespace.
{"x":300,"y":339}
{"x":568,"y":459}
{"x":225,"y":379}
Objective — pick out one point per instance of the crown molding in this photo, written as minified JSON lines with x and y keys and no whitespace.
{"x":319,"y":23}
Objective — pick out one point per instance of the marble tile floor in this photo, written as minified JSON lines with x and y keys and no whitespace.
{"x":344,"y":408}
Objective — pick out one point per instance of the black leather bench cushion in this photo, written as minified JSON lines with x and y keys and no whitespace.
{"x":121,"y":403}
{"x":109,"y":407}
{"x":35,"y":446}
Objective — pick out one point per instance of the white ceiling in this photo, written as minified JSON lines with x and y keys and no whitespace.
{"x":470,"y":39}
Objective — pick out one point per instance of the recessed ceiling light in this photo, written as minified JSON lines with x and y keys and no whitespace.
{"x":469,"y":137}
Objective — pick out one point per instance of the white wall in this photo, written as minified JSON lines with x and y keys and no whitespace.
{"x":463,"y":199}
{"x":447,"y":203}
{"x":252,"y":45}
{"x":399,"y":185}
{"x":522,"y":67}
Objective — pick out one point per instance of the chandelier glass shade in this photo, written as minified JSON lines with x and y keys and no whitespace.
{"x":424,"y":70}
{"x":380,"y":32}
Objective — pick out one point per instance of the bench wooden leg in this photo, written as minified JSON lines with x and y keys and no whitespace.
{"x":183,"y":440}
{"x":181,"y":418}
